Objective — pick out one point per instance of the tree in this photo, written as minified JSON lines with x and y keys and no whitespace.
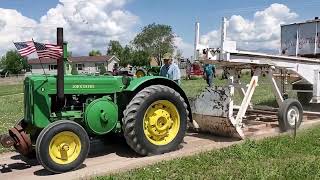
{"x":14,"y":63}
{"x":114,"y":49}
{"x":155,"y":39}
{"x":74,"y":70}
{"x":95,"y":53}
{"x":102,"y":69}
{"x":126,"y":56}
{"x":140,"y":58}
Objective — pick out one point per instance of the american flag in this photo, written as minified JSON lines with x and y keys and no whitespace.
{"x":48,"y":50}
{"x":25,"y":48}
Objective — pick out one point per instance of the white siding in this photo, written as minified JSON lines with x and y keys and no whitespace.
{"x":111,"y":63}
{"x":89,"y":67}
{"x":37,"y":69}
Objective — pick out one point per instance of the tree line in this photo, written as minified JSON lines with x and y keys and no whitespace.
{"x":152,"y":42}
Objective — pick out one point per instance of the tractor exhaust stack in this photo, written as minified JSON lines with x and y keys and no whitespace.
{"x":60,"y":72}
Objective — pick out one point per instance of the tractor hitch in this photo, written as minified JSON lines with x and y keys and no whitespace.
{"x":17,"y":138}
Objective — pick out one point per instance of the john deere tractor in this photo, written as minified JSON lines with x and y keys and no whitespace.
{"x":63,"y":112}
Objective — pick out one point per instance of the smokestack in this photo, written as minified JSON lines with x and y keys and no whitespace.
{"x":60,"y":72}
{"x":196,"y":40}
{"x":223,"y":32}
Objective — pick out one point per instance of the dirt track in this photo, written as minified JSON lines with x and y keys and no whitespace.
{"x":116,"y":156}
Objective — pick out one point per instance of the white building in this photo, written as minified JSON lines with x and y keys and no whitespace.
{"x":84,"y":64}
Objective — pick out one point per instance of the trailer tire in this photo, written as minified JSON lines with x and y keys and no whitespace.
{"x":155,"y":120}
{"x":288,"y":111}
{"x":63,"y":135}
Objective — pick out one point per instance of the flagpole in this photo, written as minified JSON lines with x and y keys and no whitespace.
{"x":44,"y":72}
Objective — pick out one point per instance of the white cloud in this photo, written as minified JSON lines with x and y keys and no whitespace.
{"x":186,"y":48}
{"x":260,"y":33}
{"x":87,"y":25}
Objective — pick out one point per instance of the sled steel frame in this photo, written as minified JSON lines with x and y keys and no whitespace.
{"x":233,"y":61}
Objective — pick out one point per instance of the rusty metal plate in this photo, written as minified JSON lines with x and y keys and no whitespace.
{"x":20,"y":144}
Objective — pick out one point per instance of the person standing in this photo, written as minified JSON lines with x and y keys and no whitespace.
{"x":170,"y":69}
{"x":209,"y":73}
{"x":188,"y":69}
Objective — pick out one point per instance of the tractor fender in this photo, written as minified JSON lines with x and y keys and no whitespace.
{"x":136,"y":85}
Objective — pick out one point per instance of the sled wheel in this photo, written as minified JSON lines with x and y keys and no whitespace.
{"x":290,"y":112}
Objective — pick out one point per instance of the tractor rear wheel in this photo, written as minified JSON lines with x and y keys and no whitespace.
{"x":155,"y":120}
{"x":62,"y":146}
{"x":140,"y":73}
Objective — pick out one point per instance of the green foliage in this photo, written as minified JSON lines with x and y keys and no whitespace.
{"x":115,"y":49}
{"x":156,"y":40}
{"x":14,"y":63}
{"x":74,"y":70}
{"x":140,"y":58}
{"x":95,"y":53}
{"x":128,"y":55}
{"x":102,"y":69}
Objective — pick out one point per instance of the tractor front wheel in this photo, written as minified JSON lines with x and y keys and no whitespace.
{"x":62,"y":146}
{"x":155,"y":120}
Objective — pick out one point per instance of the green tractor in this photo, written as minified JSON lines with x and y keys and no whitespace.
{"x":62,"y":113}
{"x":148,"y":71}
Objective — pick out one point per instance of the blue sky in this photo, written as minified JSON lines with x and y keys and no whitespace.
{"x":180,"y":14}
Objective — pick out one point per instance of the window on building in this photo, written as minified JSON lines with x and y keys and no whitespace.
{"x":80,"y":66}
{"x":52,"y":67}
{"x":98,"y":65}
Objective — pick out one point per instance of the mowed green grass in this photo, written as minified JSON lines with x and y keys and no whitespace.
{"x":11,"y":111}
{"x":10,"y":89}
{"x":273,"y":158}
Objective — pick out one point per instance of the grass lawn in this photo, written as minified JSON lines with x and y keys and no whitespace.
{"x":10,"y":89}
{"x":273,"y":158}
{"x":11,"y":110}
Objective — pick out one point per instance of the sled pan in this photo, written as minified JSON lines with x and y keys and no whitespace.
{"x":212,"y":114}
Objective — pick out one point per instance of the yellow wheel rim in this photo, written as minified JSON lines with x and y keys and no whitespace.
{"x":161,"y":122}
{"x":139,"y":73}
{"x":65,"y":147}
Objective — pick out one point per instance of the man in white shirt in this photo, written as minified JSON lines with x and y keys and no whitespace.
{"x":170,"y":69}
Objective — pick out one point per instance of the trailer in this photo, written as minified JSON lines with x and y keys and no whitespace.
{"x":213,"y":110}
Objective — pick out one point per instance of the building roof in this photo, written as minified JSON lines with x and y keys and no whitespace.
{"x":80,"y":59}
